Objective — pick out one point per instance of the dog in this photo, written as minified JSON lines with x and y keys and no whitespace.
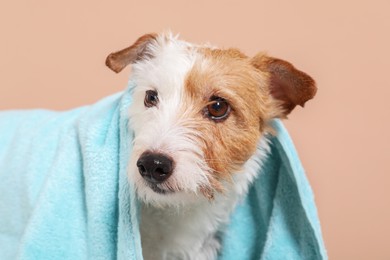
{"x":200,"y":117}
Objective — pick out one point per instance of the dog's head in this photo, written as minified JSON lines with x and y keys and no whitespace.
{"x":199,"y":113}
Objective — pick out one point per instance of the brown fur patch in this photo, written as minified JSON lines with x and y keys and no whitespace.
{"x":289,"y":85}
{"x":229,"y":74}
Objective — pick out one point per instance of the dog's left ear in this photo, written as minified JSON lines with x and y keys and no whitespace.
{"x":117,"y":61}
{"x":288,"y":85}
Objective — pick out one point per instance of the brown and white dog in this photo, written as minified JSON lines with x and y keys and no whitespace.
{"x":200,"y":119}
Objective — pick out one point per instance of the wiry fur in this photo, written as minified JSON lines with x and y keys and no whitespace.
{"x":188,"y":231}
{"x":214,"y":162}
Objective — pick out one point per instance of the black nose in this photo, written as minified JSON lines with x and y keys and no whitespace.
{"x":155,"y":167}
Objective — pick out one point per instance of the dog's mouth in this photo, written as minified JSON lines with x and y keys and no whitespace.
{"x":157,"y":189}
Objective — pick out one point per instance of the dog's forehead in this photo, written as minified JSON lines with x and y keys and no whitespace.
{"x":178,"y":67}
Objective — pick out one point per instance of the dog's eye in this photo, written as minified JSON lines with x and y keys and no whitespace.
{"x":151,"y":98}
{"x":218,"y":109}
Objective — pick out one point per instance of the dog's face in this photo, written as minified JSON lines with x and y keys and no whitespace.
{"x":199,"y":113}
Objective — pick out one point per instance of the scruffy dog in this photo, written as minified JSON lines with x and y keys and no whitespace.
{"x":201,"y":116}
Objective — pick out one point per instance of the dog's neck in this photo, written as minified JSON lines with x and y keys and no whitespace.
{"x":188,"y":231}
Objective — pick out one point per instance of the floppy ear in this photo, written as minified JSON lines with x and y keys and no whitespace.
{"x":117,"y":61}
{"x":288,"y":85}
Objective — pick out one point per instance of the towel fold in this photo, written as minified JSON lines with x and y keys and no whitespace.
{"x":64,"y":192}
{"x":278,"y":218}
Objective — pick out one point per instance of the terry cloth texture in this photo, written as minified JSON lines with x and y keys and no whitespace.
{"x":64,"y":192}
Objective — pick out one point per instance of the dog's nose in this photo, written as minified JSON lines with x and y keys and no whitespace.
{"x":155,"y":167}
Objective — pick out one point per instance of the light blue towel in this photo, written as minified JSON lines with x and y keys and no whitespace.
{"x":64,"y":192}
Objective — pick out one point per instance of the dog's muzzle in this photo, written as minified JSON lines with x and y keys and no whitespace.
{"x":155,"y":167}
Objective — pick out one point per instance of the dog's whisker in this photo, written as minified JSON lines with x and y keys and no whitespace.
{"x":216,"y":160}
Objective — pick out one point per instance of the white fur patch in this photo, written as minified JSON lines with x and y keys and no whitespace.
{"x":162,"y":128}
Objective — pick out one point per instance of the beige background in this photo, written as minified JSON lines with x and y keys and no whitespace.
{"x":52,"y":55}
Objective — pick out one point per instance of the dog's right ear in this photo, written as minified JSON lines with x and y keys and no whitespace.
{"x":288,"y":85}
{"x":117,"y":61}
